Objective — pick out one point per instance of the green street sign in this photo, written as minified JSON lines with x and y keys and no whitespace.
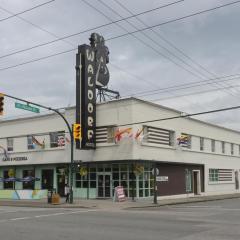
{"x":27,"y":107}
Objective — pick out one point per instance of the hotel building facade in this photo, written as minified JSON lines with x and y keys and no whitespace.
{"x":192,"y":157}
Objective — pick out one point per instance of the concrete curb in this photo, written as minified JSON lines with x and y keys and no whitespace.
{"x":185,"y":201}
{"x":122,"y":206}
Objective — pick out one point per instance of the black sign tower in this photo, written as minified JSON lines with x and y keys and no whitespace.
{"x":91,"y":74}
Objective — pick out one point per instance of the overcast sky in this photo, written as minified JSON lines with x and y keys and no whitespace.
{"x":191,"y":50}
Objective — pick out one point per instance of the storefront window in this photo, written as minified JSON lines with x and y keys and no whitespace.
{"x":28,"y":184}
{"x":135,"y":183}
{"x":88,"y":180}
{"x":145,"y":182}
{"x":8,"y":174}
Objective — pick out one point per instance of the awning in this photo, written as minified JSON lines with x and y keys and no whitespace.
{"x":28,"y":179}
{"x":11,"y":179}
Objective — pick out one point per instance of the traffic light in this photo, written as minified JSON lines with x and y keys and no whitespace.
{"x":77,"y":131}
{"x":1,"y":103}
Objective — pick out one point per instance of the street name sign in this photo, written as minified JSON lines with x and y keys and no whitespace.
{"x":27,"y":107}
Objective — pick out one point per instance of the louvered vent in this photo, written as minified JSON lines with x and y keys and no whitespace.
{"x":159,"y":136}
{"x":105,"y":134}
{"x":225,"y":175}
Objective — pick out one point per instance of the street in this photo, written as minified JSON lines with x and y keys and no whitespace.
{"x":210,"y":220}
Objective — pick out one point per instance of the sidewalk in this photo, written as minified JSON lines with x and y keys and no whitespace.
{"x":109,"y":204}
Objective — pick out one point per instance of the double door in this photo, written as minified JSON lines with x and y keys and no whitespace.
{"x":104,"y":185}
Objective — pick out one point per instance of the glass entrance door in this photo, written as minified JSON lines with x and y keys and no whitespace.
{"x":47,"y":179}
{"x":104,"y":185}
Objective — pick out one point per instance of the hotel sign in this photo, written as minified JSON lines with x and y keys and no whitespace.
{"x":91,"y":73}
{"x":86,"y":96}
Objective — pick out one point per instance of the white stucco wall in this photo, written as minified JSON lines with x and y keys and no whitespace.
{"x":121,"y":113}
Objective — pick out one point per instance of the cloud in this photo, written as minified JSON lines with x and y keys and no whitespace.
{"x":211,"y":40}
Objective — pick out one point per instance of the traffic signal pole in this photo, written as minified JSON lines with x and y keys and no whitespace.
{"x":70,"y":132}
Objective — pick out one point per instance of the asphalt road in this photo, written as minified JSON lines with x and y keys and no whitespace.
{"x":219,"y":220}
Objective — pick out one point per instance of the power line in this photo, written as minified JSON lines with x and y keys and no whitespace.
{"x":32,"y":24}
{"x":175,"y":20}
{"x":164,"y":38}
{"x":185,"y":85}
{"x":157,"y":43}
{"x":182,"y":116}
{"x":27,"y":10}
{"x":139,"y":39}
{"x":38,"y":59}
{"x":85,"y":31}
{"x":175,"y":117}
{"x":120,"y":20}
{"x":168,"y":42}
{"x":63,"y":52}
{"x":150,"y":46}
{"x":192,"y":93}
{"x":49,"y":56}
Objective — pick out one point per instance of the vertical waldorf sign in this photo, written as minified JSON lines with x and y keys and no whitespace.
{"x":91,"y":74}
{"x":86,"y":96}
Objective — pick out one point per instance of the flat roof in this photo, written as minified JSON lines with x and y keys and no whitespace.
{"x":117,"y":101}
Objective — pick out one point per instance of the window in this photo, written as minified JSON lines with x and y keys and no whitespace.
{"x":8,"y":174}
{"x":223,"y":147}
{"x":213,"y":175}
{"x":188,"y":180}
{"x":213,"y":143}
{"x":201,"y":143}
{"x":232,"y":149}
{"x":220,"y":175}
{"x":9,"y":144}
{"x":30,"y":143}
{"x":57,"y":139}
{"x":88,"y":179}
{"x":28,"y":184}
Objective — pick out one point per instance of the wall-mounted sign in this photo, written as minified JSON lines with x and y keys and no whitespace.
{"x":91,"y":73}
{"x":157,"y":171}
{"x":13,"y":159}
{"x":162,"y":179}
{"x":86,"y":96}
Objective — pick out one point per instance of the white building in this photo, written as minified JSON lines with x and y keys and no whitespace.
{"x":204,"y":160}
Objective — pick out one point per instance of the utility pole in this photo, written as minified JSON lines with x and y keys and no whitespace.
{"x":69,"y":129}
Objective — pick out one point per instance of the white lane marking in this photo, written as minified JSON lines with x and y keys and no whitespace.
{"x":16,"y":219}
{"x":48,"y":215}
{"x":197,"y":207}
{"x":8,"y":212}
{"x":201,"y":206}
{"x":65,"y":213}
